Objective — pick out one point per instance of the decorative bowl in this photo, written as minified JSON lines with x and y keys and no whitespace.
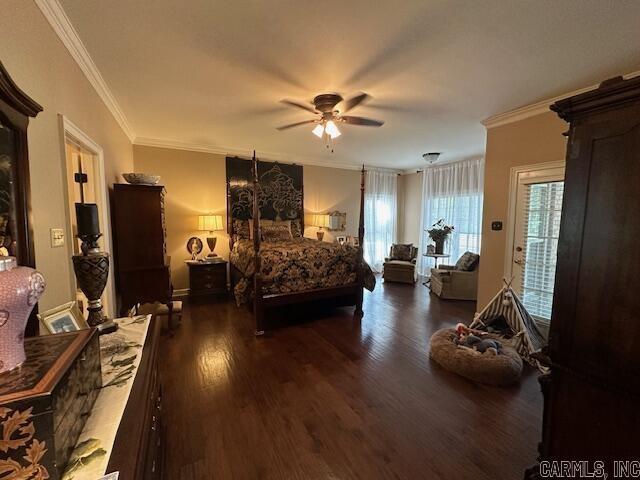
{"x":141,"y":178}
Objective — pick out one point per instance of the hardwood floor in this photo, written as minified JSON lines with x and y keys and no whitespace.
{"x":329,"y":398}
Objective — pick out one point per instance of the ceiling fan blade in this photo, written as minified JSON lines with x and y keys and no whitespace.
{"x":291,"y":125}
{"x":352,"y":102}
{"x":365,"y":122}
{"x":303,"y":106}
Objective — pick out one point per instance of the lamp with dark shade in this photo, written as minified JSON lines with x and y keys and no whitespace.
{"x":88,"y":224}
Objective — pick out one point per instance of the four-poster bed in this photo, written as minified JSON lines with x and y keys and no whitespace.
{"x":268,"y":271}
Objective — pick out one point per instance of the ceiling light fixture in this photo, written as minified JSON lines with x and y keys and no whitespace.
{"x":318,"y":131}
{"x":431,"y":157}
{"x":332,"y":130}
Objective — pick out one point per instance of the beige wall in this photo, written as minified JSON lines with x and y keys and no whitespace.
{"x":409,"y":208}
{"x":195,"y":184}
{"x":328,"y":189}
{"x":535,"y":139}
{"x":43,"y":68}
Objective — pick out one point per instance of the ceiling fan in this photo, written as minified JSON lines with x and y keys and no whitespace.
{"x":330,"y":109}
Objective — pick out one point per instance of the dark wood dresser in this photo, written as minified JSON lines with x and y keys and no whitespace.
{"x":207,"y":278}
{"x":592,"y":394}
{"x":143,"y":273}
{"x":138,"y":452}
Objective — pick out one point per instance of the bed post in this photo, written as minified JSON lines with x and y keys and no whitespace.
{"x":360,"y":268}
{"x":258,"y":308}
{"x":302,"y":207}
{"x":229,"y":216}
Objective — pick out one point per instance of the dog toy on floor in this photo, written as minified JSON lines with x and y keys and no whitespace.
{"x":469,"y":338}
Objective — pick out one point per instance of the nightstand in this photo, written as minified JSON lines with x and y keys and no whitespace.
{"x":207,"y":278}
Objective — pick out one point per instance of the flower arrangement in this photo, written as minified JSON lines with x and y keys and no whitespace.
{"x":439,"y":232}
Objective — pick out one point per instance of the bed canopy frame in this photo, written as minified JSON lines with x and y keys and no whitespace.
{"x":345,"y":295}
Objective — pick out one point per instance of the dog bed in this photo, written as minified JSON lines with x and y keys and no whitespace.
{"x":498,"y":370}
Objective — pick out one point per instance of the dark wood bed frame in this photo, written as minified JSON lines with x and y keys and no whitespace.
{"x":346,"y":295}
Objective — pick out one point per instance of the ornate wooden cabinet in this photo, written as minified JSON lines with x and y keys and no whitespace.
{"x":45,"y":403}
{"x":592,"y":394}
{"x":16,"y":230}
{"x":142,"y":266}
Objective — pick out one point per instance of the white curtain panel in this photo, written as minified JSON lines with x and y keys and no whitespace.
{"x":452,"y":192}
{"x":380,"y":212}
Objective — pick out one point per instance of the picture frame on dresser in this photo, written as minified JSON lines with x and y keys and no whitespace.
{"x":64,"y":318}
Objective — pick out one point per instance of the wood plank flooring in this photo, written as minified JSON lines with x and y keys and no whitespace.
{"x":326,"y":397}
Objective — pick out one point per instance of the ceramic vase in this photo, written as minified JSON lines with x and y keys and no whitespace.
{"x":20,"y":289}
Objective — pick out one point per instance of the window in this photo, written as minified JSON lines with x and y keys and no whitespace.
{"x":379,"y":216}
{"x":453,"y":192}
{"x":464,"y":212}
{"x":542,"y":208}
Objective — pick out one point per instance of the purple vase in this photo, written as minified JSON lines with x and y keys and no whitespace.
{"x":20,"y":289}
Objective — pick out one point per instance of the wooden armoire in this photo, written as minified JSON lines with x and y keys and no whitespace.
{"x":143,"y":273}
{"x":592,"y":394}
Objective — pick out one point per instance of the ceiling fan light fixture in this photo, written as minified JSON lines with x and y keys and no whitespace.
{"x":318,"y":131}
{"x":332,"y":129}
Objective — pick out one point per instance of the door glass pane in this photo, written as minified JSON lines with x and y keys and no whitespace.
{"x":8,"y":225}
{"x":542,"y":227}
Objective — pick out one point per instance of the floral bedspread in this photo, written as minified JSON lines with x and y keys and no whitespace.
{"x":296,"y":265}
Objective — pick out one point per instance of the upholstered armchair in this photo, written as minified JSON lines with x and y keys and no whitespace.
{"x":400,"y":265}
{"x":459,"y":281}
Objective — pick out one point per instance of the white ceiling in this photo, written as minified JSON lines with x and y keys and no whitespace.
{"x":212,"y":72}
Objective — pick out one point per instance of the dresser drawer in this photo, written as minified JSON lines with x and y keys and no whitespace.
{"x":209,"y":283}
{"x":207,"y":278}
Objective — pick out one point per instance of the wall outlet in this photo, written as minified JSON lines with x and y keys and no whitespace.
{"x":57,"y":237}
{"x":496,"y":225}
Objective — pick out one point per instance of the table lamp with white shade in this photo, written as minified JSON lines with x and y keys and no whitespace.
{"x":320,"y":220}
{"x":210,"y":223}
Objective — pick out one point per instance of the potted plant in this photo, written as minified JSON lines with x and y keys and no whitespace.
{"x":439,"y":232}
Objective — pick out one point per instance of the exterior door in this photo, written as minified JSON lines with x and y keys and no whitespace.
{"x":534,"y":248}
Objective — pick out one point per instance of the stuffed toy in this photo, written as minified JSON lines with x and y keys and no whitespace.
{"x":467,"y":337}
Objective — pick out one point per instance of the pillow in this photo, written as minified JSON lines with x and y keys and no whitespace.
{"x":467,"y":262}
{"x":402,"y":251}
{"x":276,"y":231}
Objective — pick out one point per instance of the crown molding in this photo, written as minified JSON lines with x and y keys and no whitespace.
{"x":229,"y":151}
{"x":57,"y":18}
{"x":537,"y":108}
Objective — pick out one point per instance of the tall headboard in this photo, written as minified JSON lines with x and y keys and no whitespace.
{"x":281,"y":190}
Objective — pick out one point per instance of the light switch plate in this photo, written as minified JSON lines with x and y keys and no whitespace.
{"x":57,"y":237}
